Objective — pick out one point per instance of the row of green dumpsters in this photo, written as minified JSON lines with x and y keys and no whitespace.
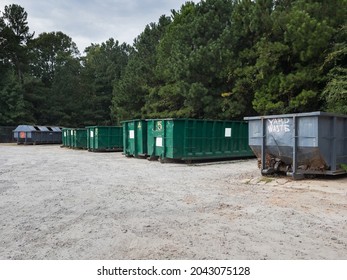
{"x":177,"y":139}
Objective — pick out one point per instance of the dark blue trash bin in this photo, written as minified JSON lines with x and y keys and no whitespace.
{"x":35,"y":134}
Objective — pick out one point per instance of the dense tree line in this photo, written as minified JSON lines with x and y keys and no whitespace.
{"x":219,"y":59}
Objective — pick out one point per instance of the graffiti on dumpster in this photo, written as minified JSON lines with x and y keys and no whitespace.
{"x":280,"y":125}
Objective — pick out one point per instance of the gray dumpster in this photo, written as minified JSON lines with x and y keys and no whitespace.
{"x":300,"y":144}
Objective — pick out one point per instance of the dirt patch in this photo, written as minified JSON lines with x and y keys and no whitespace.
{"x":69,"y":204}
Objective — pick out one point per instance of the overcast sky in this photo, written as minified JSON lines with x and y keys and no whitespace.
{"x":94,"y":21}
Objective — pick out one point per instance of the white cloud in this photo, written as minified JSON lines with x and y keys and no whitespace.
{"x":92,"y":21}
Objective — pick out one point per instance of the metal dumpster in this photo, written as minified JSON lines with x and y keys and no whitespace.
{"x":300,"y":144}
{"x":69,"y":137}
{"x":79,"y":138}
{"x":135,"y":138}
{"x":191,"y":139}
{"x":64,"y":137}
{"x":35,"y":134}
{"x":104,"y":138}
{"x":57,"y":133}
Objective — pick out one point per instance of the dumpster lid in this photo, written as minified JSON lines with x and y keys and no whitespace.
{"x":180,"y":119}
{"x":55,"y":128}
{"x":30,"y":128}
{"x":191,"y":119}
{"x":97,"y":126}
{"x":133,"y":120}
{"x":309,"y":114}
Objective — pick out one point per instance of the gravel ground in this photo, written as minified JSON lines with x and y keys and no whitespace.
{"x":57,"y":203}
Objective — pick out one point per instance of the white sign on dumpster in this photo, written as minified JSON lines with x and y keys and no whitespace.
{"x":91,"y":134}
{"x":131,"y":134}
{"x":159,"y":142}
{"x":228,"y":132}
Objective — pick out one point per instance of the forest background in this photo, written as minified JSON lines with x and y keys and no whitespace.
{"x":216,"y":59}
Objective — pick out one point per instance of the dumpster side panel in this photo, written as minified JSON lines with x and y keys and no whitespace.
{"x":333,"y":141}
{"x":68,"y":143}
{"x":57,"y":135}
{"x":54,"y":135}
{"x":107,"y":138}
{"x":92,"y":143}
{"x":307,"y":131}
{"x":189,"y":139}
{"x":135,"y":138}
{"x":255,"y":138}
{"x":97,"y":138}
{"x":80,"y":138}
{"x":140,"y":129}
{"x":128,"y":138}
{"x":163,"y":138}
{"x":179,"y":143}
{"x":279,"y":132}
{"x":70,"y":137}
{"x":88,"y":128}
{"x":169,"y":140}
{"x":22,"y":134}
{"x":118,"y":137}
{"x":73,"y":138}
{"x":216,"y":139}
{"x":155,"y":137}
{"x":63,"y":135}
{"x":150,"y":139}
{"x":341,"y":141}
{"x":115,"y":137}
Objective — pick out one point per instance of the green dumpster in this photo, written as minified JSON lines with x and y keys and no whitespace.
{"x":69,"y":137}
{"x":79,"y":138}
{"x":190,"y":139}
{"x":135,"y":138}
{"x":104,"y":138}
{"x":64,"y":137}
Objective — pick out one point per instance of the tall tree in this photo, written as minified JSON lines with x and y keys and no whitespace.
{"x":12,"y":105}
{"x":103,"y":66}
{"x":131,"y":92}
{"x":46,"y":51}
{"x":14,"y":34}
{"x":14,"y":37}
{"x":335,"y":67}
{"x":191,"y":61}
{"x":51,"y":54}
{"x":250,"y":20}
{"x":287,"y":54}
{"x":68,"y":98}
